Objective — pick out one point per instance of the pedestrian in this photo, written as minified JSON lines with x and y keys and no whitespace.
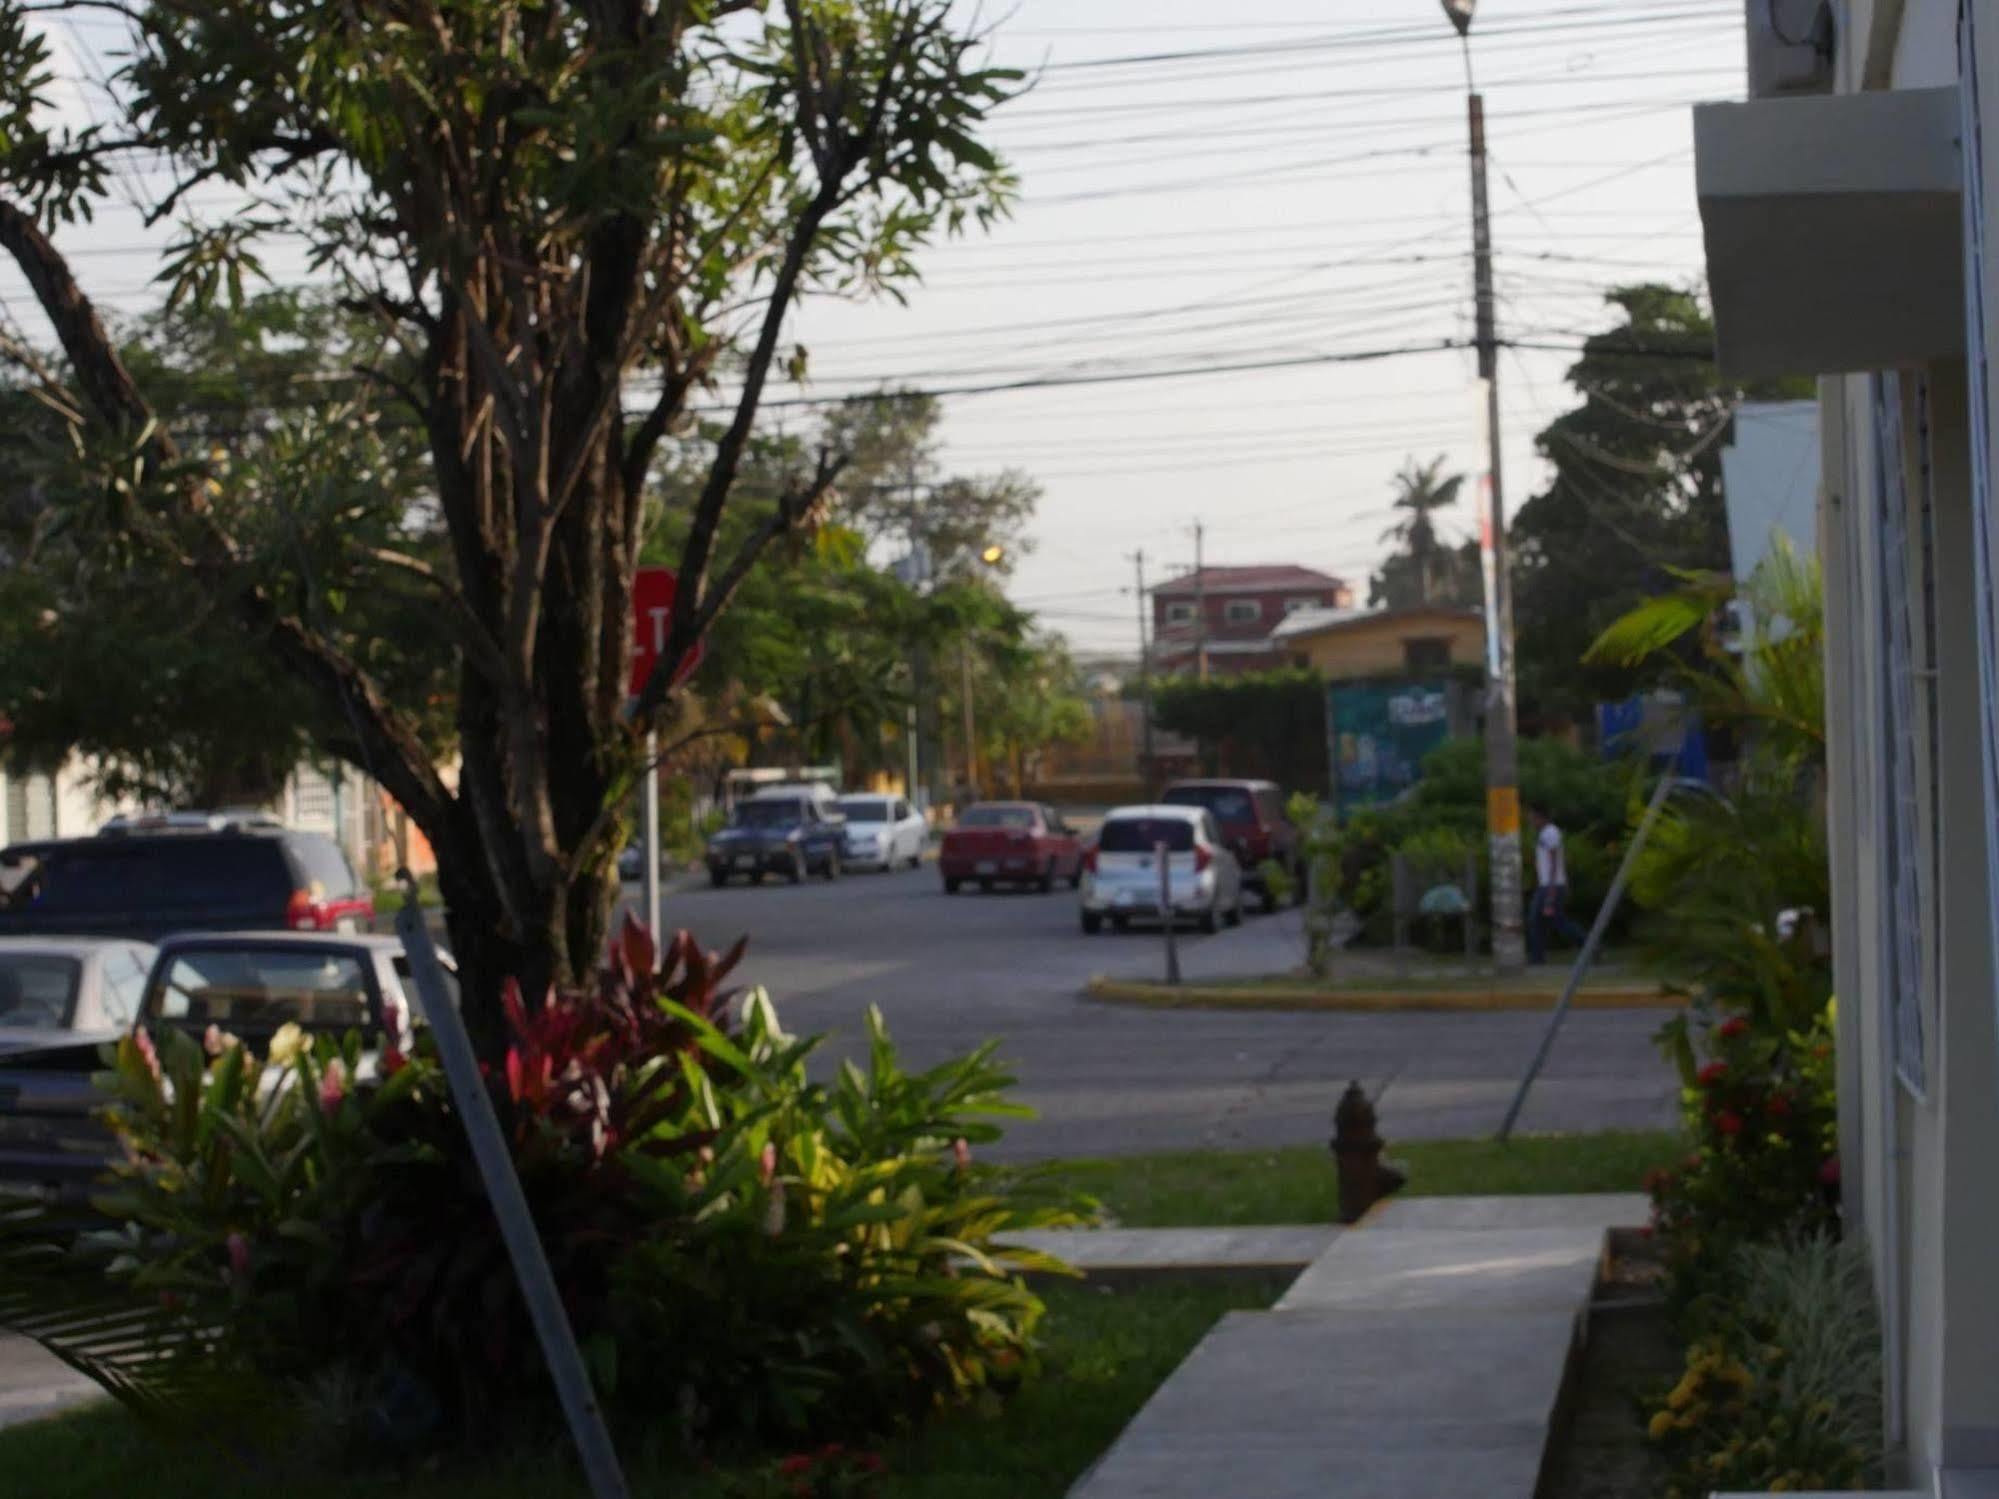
{"x":1551,"y":888}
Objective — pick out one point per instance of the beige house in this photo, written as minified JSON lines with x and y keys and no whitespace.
{"x":1849,"y":215}
{"x":1345,"y":645}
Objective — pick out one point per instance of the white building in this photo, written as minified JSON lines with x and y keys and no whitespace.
{"x":1849,"y":218}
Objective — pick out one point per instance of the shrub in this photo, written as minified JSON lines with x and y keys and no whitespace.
{"x":1763,"y":1121}
{"x":744,"y":1253}
{"x":1783,"y":1392}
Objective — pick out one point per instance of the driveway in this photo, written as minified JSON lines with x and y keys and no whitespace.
{"x":951,"y":971}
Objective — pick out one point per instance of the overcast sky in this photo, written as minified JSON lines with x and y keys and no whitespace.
{"x":1299,"y":191}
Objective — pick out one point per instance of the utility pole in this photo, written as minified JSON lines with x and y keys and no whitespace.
{"x":1502,"y":770}
{"x":1144,"y":666}
{"x":1200,"y":609}
{"x":971,"y":742}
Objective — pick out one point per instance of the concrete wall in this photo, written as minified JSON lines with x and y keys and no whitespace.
{"x":1375,"y":647}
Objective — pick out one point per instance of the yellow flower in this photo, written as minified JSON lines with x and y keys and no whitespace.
{"x":287,"y":1044}
{"x":1781,"y":1485}
{"x":1661,"y":1424}
{"x":1683,"y":1393}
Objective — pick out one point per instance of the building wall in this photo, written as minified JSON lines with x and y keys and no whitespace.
{"x":1378,"y":647}
{"x":1269,"y":608}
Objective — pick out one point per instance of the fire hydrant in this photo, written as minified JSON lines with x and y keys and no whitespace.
{"x":1364,"y":1177}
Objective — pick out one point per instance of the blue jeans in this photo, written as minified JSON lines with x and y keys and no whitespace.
{"x":1549,"y":907}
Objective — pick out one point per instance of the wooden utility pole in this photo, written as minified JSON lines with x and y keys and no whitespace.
{"x":1502,"y":772}
{"x":1144,"y":666}
{"x":1200,"y":609}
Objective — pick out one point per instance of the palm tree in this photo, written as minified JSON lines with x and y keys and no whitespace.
{"x":1420,"y":490}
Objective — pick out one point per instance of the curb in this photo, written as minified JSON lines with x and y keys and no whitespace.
{"x":1369,"y":1001}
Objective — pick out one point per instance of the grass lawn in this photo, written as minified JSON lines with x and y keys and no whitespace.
{"x":1107,"y":1351}
{"x":1297,"y":1184}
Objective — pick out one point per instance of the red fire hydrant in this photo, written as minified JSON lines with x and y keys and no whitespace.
{"x":1364,"y":1177}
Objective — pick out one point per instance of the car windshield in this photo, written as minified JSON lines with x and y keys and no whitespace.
{"x":997,"y":817}
{"x":864,"y":809}
{"x":781,"y":812}
{"x":1140,"y":835}
{"x":255,"y":989}
{"x":1226,"y":802}
{"x":38,"y":990}
{"x":112,"y":875}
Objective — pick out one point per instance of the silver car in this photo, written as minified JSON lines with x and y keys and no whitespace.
{"x":1121,"y":871}
{"x":883,"y":832}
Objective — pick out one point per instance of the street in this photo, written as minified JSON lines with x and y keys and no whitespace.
{"x":951,"y":971}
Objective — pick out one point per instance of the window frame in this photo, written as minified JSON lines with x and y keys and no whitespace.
{"x":1179,"y":612}
{"x":1233,"y":612}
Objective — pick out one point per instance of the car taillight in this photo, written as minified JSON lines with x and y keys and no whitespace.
{"x":1202,"y":859}
{"x":1090,"y":860}
{"x":304,"y":914}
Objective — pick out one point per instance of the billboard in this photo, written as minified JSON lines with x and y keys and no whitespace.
{"x":1378,"y":734}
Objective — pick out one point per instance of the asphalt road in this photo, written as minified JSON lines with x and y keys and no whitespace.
{"x":951,"y":971}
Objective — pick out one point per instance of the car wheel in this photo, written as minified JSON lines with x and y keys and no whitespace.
{"x":1235,"y":911}
{"x":1092,"y":923}
{"x":719,"y":877}
{"x":796,"y":874}
{"x":950,"y":885}
{"x":832,"y":870}
{"x":1047,"y":880}
{"x":1211,"y":921}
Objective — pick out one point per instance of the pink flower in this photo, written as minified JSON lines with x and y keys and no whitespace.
{"x":1711,"y":1074}
{"x":143,"y":1040}
{"x":961,"y":1152}
{"x":1732,"y":1027}
{"x":767,"y":1163}
{"x":1728,"y":1122}
{"x":1780,"y":1105}
{"x":239,"y":1256}
{"x":332,"y":1087}
{"x":393,"y":1061}
{"x":1829,"y":1171}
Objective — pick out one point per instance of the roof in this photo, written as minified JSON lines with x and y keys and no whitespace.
{"x":75,"y":947}
{"x":1179,"y":810}
{"x":366,"y":941}
{"x":1271,"y":577}
{"x":1187,"y":645}
{"x":1326,"y":621}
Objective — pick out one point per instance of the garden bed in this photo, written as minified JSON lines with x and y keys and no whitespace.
{"x":1107,"y":1351}
{"x":1599,"y":1450}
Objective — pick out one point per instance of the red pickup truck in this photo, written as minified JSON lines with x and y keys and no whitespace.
{"x":1015,"y":843}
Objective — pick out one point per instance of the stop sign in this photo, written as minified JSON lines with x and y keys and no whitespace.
{"x":653,"y":590}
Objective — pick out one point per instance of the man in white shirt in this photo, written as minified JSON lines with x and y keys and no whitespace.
{"x":1551,"y":889}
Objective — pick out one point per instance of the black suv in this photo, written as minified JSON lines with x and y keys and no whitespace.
{"x":146,"y":877}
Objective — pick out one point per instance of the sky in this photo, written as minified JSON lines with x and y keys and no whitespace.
{"x":1271,"y":182}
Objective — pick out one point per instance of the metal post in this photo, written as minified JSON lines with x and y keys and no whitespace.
{"x":1502,"y":784}
{"x":971,"y":731}
{"x":1200,"y":608}
{"x":510,"y":1207}
{"x":916,"y":797}
{"x":1166,"y":921}
{"x":649,"y":803}
{"x":1587,"y":956}
{"x":1144,"y":668}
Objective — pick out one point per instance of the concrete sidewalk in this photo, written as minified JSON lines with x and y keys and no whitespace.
{"x":1422,"y":1356}
{"x":34,"y":1384}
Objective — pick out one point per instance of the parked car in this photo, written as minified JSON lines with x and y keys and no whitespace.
{"x":247,"y":983}
{"x":1121,"y":873}
{"x":142,"y":878}
{"x":789,"y":830}
{"x":60,"y":990}
{"x":883,"y":832}
{"x":1017,"y":843}
{"x":1253,"y":824}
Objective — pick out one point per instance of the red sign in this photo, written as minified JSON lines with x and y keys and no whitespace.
{"x":653,"y":589}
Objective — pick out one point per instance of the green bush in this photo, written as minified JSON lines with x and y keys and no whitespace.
{"x":1782,"y":1391}
{"x":746,"y":1254}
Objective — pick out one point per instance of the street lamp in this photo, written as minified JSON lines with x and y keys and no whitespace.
{"x":1460,"y":13}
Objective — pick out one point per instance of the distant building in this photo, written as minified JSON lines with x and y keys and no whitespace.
{"x":1240,"y":608}
{"x":1345,"y":645}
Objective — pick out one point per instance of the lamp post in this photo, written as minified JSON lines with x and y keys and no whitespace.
{"x":1502,"y":772}
{"x":990,"y":556}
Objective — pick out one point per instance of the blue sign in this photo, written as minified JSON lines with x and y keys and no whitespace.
{"x":1380,"y":732}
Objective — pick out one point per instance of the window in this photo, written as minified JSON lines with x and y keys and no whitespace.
{"x":1242,"y":611}
{"x":324,"y":866}
{"x":117,"y":875}
{"x":38,"y":991}
{"x":1293,"y":605}
{"x":1179,"y":614}
{"x":258,"y":989}
{"x":124,"y":979}
{"x":864,"y":808}
{"x":901,"y":810}
{"x":1426,"y":654}
{"x":1021,"y":818}
{"x":1137,"y":835}
{"x":1229,"y":803}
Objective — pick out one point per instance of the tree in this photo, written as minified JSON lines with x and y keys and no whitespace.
{"x":1636,"y":493}
{"x":1450,"y":577}
{"x":104,"y":653}
{"x":565,"y":220}
{"x":1420,"y":491}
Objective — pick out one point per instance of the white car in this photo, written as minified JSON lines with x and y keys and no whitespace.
{"x":57,"y":989}
{"x":883,"y":832}
{"x":1121,"y":869}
